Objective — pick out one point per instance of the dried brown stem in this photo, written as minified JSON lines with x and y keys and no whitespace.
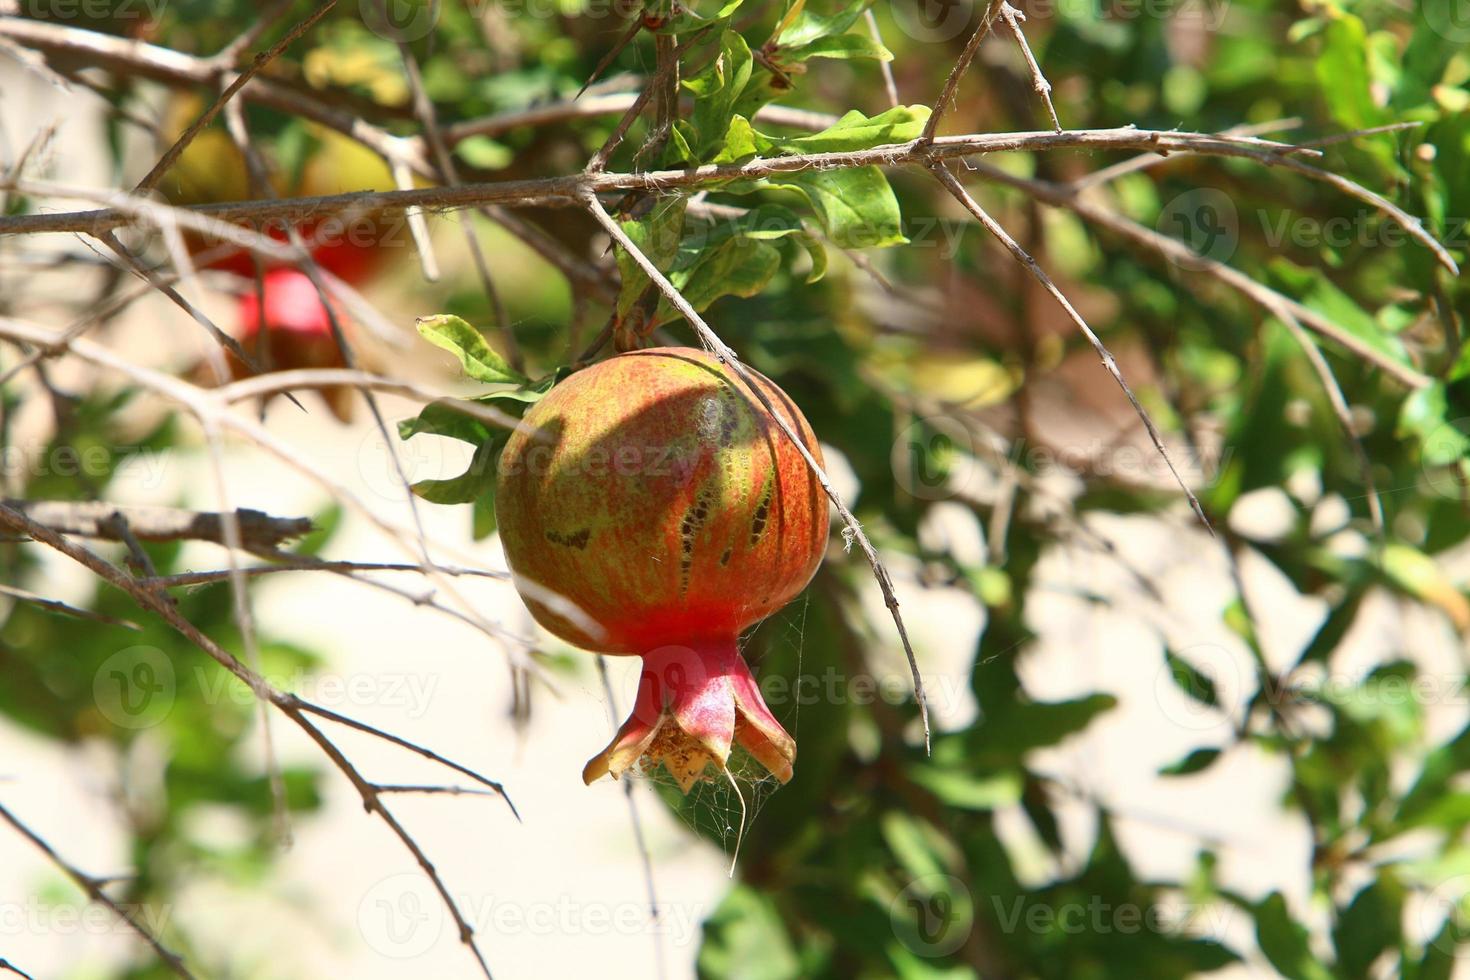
{"x":95,"y":520}
{"x":171,"y":156}
{"x":962,"y":195}
{"x":93,"y":887}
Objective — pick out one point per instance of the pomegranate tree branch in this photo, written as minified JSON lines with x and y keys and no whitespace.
{"x":290,"y":705}
{"x":448,"y":173}
{"x":946,"y":95}
{"x":294,"y":563}
{"x":1013,"y":19}
{"x":95,"y":519}
{"x":568,"y":190}
{"x":852,"y":529}
{"x":65,"y":609}
{"x":171,"y":156}
{"x":890,"y":87}
{"x":957,"y":189}
{"x":93,"y":888}
{"x":636,"y":819}
{"x":1177,"y":252}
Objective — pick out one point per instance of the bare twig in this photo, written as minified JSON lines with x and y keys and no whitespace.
{"x":1338,"y":401}
{"x":57,"y":606}
{"x":258,"y":531}
{"x":1013,"y":19}
{"x":946,"y":96}
{"x":93,"y":888}
{"x":566,"y":191}
{"x":1186,"y":258}
{"x":957,"y":189}
{"x":295,"y":563}
{"x":10,"y":967}
{"x":171,"y":156}
{"x":289,"y":704}
{"x":636,"y":819}
{"x":890,"y":87}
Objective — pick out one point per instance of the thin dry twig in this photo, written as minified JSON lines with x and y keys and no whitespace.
{"x":171,"y":156}
{"x":1013,"y":19}
{"x":10,"y":967}
{"x":952,"y":184}
{"x":292,"y":706}
{"x":946,"y":95}
{"x":640,"y":841}
{"x":65,"y":609}
{"x":890,"y":87}
{"x":93,"y":888}
{"x":568,"y":190}
{"x":295,"y":563}
{"x":1344,"y":414}
{"x":1182,"y":255}
{"x":95,"y":519}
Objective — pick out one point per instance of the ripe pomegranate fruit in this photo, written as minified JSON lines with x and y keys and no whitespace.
{"x":298,"y":332}
{"x":656,"y":493}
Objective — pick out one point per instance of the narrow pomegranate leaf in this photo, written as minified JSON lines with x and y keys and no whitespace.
{"x":476,"y":356}
{"x":855,"y":131}
{"x":844,"y":46}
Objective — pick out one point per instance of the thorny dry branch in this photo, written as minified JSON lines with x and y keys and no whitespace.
{"x":426,"y":156}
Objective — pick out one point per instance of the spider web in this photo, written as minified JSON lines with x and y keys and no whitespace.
{"x":723,"y":807}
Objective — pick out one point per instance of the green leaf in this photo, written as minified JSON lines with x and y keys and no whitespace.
{"x":810,"y":26}
{"x":1197,"y":761}
{"x":716,"y":89}
{"x":483,"y":516}
{"x":1284,"y":941}
{"x":468,"y":344}
{"x":1316,"y":291}
{"x":736,"y":267}
{"x":478,"y":479}
{"x":745,"y":938}
{"x":441,"y":419}
{"x":657,"y":236}
{"x":1419,"y":576}
{"x":1191,"y":680}
{"x":1368,"y":926}
{"x":740,"y":142}
{"x":845,"y":46}
{"x":483,"y":152}
{"x":855,"y":131}
{"x":1425,"y":416}
{"x":857,"y":207}
{"x":1342,"y":72}
{"x":969,"y":791}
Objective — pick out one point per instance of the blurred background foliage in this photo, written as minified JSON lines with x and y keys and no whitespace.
{"x":955,"y":349}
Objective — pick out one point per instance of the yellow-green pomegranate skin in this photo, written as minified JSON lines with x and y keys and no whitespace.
{"x":654,"y":492}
